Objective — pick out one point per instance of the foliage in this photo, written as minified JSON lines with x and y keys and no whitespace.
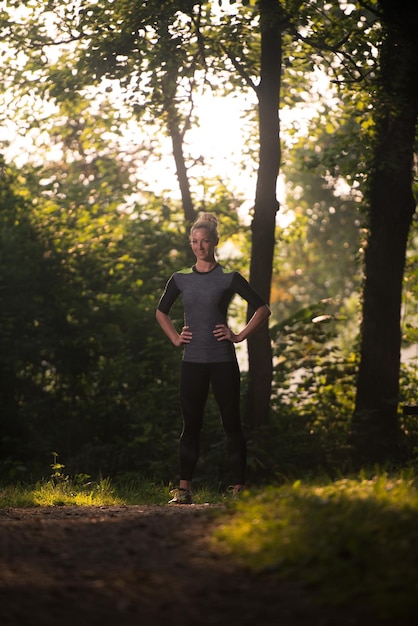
{"x":85,"y":369}
{"x":317,"y":255}
{"x":95,"y":379}
{"x":349,"y":541}
{"x":312,"y":398}
{"x":86,"y":248}
{"x":80,"y":347}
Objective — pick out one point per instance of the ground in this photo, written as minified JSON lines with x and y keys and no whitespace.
{"x":140,"y":565}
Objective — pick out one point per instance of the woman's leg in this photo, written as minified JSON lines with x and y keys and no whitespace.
{"x":194,"y":389}
{"x":226,"y":389}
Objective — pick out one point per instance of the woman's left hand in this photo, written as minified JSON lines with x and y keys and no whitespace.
{"x":223,"y":333}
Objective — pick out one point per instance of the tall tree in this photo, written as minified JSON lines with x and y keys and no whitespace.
{"x":391,"y":209}
{"x":372,"y":51}
{"x":273,"y":21}
{"x":152,"y":49}
{"x":258,"y":62}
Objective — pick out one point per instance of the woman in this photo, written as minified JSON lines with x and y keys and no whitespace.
{"x":209,"y":354}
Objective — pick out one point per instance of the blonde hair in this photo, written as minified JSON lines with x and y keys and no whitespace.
{"x":208,"y":221}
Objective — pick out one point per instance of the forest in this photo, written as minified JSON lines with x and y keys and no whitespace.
{"x":101,"y":179}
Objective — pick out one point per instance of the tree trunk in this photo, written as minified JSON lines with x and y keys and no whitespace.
{"x":375,"y":424}
{"x":266,"y":205}
{"x":174,"y":121}
{"x":181,"y":170}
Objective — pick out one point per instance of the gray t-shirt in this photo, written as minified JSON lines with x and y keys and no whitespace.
{"x":206,"y":297}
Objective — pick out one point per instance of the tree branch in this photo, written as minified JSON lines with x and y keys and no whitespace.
{"x":240,"y":69}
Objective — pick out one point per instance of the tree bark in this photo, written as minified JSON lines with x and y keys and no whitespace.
{"x":181,"y":169}
{"x":266,"y":205}
{"x":375,"y":434}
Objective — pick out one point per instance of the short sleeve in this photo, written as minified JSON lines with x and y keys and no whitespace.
{"x":243,"y":288}
{"x":170,"y":295}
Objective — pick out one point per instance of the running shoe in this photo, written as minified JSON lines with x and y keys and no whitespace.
{"x":235,"y":491}
{"x":180,"y":496}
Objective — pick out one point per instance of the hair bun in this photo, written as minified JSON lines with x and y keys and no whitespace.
{"x":208,"y":217}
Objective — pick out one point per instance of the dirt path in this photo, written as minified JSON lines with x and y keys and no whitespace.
{"x":137,"y":565}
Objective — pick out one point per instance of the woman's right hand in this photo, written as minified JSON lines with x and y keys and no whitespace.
{"x":170,"y":330}
{"x":185,"y":336}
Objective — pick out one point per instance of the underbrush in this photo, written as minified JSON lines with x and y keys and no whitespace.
{"x":61,"y":489}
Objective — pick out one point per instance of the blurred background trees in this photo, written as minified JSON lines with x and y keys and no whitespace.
{"x":96,"y":99}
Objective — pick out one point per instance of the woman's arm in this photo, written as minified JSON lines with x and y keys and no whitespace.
{"x":223,"y":333}
{"x":170,"y":330}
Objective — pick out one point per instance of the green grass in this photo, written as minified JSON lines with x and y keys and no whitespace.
{"x":51,"y":493}
{"x":81,"y":491}
{"x":352,"y":540}
{"x":60,"y":489}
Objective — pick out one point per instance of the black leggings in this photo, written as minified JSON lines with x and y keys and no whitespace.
{"x":195,"y":381}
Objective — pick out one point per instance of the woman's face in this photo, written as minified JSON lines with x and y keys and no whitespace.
{"x":202,"y":244}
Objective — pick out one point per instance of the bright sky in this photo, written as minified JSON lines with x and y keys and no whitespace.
{"x":220,"y":139}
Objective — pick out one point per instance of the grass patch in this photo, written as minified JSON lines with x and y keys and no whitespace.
{"x":82,"y":491}
{"x":67,"y":493}
{"x":60,"y":489}
{"x":349,"y":540}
